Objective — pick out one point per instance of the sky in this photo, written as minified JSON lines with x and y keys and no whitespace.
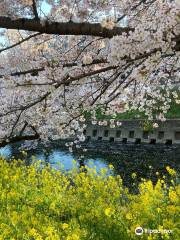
{"x":45,"y":8}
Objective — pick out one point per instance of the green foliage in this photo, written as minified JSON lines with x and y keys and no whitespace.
{"x":148,"y":126}
{"x":173,"y":113}
{"x":38,"y":202}
{"x":120,"y":116}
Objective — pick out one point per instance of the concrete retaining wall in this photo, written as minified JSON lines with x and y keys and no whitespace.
{"x":132,"y":131}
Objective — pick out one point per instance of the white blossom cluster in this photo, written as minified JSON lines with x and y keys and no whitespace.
{"x":48,"y":82}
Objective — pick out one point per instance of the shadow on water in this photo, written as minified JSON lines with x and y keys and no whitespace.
{"x":148,"y":163}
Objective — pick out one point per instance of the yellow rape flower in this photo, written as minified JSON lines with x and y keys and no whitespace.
{"x":133,"y":175}
{"x":50,"y":231}
{"x":111,"y":167}
{"x":73,"y":237}
{"x":32,"y":232}
{"x":29,"y":195}
{"x":171,"y":171}
{"x":39,"y":238}
{"x":52,"y":205}
{"x":171,"y":209}
{"x":159,"y":210}
{"x":173,"y":196}
{"x":65,"y":226}
{"x":15,"y":218}
{"x":129,"y":216}
{"x":108,"y":212}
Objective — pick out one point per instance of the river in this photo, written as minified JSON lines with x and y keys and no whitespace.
{"x":147,"y":162}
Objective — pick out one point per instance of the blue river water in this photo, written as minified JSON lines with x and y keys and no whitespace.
{"x":56,"y":157}
{"x":145,"y":162}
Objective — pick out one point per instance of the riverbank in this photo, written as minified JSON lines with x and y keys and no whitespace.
{"x":134,"y":131}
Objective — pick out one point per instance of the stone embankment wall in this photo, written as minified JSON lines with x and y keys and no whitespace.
{"x":131,"y":131}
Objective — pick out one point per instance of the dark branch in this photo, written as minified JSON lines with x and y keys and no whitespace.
{"x":21,"y":137}
{"x":35,"y":9}
{"x":70,"y":79}
{"x":27,"y":106}
{"x":61,"y":28}
{"x":67,"y":28}
{"x":18,"y":139}
{"x":15,"y":124}
{"x":20,"y":42}
{"x":22,"y":130}
{"x":33,"y":72}
{"x":95,"y":61}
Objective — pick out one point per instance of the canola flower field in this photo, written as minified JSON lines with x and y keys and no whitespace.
{"x":37,"y":203}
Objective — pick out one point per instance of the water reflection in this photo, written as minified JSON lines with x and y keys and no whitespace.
{"x":58,"y":158}
{"x":6,"y":151}
{"x":146,"y":162}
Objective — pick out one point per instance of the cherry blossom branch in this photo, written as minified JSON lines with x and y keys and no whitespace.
{"x":20,"y":42}
{"x":66,"y":80}
{"x":15,"y":123}
{"x":33,"y":72}
{"x":70,"y":79}
{"x":95,"y":61}
{"x":27,"y":106}
{"x":35,"y":9}
{"x":67,"y":28}
{"x":61,"y":28}
{"x":18,"y":139}
{"x":135,"y":7}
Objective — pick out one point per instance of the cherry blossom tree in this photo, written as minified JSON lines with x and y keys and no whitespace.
{"x":83,"y":55}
